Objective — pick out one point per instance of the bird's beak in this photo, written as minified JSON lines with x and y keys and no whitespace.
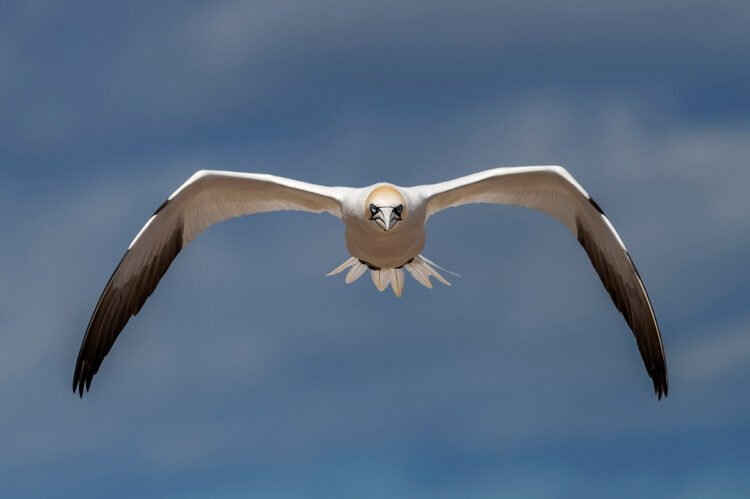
{"x":387,"y":217}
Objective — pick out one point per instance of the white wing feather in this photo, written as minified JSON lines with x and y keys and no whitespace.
{"x":552,"y":190}
{"x":209,"y":197}
{"x":206,"y":198}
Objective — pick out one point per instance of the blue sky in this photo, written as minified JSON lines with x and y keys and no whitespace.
{"x":249,"y":373}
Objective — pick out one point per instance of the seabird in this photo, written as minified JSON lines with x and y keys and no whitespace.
{"x":385,"y":234}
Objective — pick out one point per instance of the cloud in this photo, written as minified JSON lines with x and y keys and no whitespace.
{"x":246,"y":358}
{"x":148,"y":76}
{"x":527,"y":306}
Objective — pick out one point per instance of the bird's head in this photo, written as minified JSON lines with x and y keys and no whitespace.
{"x":385,"y":206}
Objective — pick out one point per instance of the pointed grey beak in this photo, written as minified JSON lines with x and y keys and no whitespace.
{"x":387,"y":216}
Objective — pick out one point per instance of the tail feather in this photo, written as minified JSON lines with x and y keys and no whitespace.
{"x":397,"y":281}
{"x":389,"y":276}
{"x":355,"y":272}
{"x":420,"y":268}
{"x":351,"y":261}
{"x":379,"y":279}
{"x":418,"y":275}
{"x":438,"y":266}
{"x":431,"y":271}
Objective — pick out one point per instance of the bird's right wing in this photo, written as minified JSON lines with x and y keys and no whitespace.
{"x":206,"y":198}
{"x":552,"y":190}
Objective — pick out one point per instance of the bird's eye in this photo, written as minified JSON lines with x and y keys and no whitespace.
{"x":373,"y":209}
{"x":399,"y":209}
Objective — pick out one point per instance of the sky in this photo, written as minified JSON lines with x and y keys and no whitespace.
{"x":248,"y":373}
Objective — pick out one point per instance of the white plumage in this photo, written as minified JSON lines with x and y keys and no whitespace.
{"x":385,"y":233}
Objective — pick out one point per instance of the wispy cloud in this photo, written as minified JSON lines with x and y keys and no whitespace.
{"x":523,"y":360}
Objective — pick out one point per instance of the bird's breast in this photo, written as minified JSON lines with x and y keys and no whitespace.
{"x":385,"y":249}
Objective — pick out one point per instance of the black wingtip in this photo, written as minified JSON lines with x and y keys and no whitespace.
{"x":661,"y":387}
{"x":117,"y":304}
{"x":644,"y":327}
{"x":81,"y":385}
{"x":81,"y":377}
{"x":78,"y":386}
{"x":77,"y":372}
{"x":76,"y":376}
{"x":660,"y":376}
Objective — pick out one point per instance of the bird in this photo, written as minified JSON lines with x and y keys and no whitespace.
{"x":384,"y":233}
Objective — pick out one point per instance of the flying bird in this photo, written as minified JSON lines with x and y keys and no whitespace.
{"x":385,"y":234}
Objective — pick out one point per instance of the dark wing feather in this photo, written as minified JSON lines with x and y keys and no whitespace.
{"x":206,"y":198}
{"x":635,"y":305}
{"x":117,"y":304}
{"x":552,"y":190}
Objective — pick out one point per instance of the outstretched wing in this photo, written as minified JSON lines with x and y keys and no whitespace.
{"x":206,"y":198}
{"x":552,"y":190}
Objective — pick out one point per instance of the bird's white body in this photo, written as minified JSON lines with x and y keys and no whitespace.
{"x":385,"y":252}
{"x":386,"y":249}
{"x":384,"y":233}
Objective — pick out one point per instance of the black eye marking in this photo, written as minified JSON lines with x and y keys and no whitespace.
{"x":373,"y":209}
{"x":398,"y":209}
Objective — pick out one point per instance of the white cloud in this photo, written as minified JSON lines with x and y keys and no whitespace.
{"x":525,"y":348}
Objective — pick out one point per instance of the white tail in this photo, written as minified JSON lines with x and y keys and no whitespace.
{"x":355,"y":272}
{"x":420,"y":269}
{"x":343,"y":266}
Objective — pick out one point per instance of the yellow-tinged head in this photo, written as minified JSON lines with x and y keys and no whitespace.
{"x":385,"y":206}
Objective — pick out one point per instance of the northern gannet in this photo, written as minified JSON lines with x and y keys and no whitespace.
{"x":385,"y":234}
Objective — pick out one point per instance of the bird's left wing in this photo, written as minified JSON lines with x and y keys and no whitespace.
{"x":552,"y":190}
{"x":206,"y":198}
